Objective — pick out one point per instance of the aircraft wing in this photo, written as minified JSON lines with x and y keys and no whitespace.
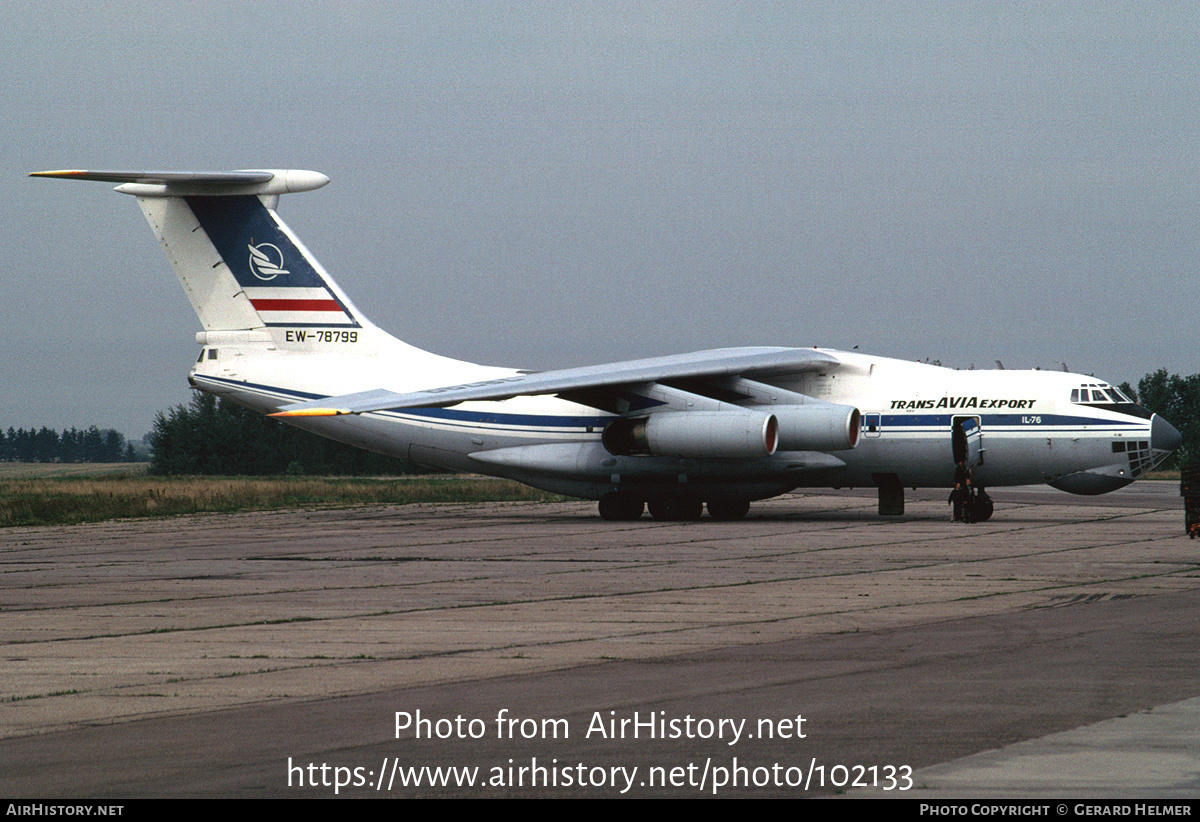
{"x":721,"y":362}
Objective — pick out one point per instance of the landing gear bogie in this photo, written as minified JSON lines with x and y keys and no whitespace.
{"x":676,"y":509}
{"x":621,"y":507}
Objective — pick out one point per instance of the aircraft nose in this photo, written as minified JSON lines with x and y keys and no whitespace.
{"x":1163,"y":435}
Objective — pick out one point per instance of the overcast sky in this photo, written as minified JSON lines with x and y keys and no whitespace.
{"x":548,"y":184}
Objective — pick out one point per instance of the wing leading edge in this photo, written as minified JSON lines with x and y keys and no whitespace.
{"x":716,"y":363}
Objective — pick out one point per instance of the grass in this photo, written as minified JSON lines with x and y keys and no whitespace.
{"x":68,"y":500}
{"x":29,"y":470}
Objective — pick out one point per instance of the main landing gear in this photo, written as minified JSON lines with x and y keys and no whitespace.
{"x":618,"y":506}
{"x":622,"y":506}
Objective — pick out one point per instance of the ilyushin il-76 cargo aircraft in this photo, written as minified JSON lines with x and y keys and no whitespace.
{"x":716,"y":429}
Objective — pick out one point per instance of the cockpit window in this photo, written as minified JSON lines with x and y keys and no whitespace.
{"x":1099,"y":395}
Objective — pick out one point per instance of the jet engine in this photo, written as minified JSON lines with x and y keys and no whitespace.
{"x":822,"y":426}
{"x":728,"y":434}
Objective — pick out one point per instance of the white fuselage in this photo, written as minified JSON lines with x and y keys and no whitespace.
{"x":1031,"y":432}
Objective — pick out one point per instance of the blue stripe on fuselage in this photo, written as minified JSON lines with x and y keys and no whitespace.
{"x":993,"y":421}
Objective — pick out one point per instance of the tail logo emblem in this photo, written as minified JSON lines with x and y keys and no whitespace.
{"x":266,"y":261}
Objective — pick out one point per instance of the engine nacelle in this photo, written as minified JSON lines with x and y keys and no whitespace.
{"x":727,"y":434}
{"x":821,"y":426}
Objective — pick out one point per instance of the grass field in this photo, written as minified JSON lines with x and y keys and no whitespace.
{"x":50,"y":497}
{"x":34,"y":470}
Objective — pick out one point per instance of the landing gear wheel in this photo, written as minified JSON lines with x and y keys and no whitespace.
{"x":621,"y":507}
{"x":728,"y":509}
{"x":676,"y":509}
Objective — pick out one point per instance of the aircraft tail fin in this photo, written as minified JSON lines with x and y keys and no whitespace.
{"x":241,"y":266}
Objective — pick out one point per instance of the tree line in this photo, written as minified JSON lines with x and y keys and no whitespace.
{"x":70,"y":445}
{"x":1177,"y":400}
{"x":213,"y":436}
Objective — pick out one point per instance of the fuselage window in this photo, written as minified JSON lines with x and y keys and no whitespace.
{"x":212,"y":353}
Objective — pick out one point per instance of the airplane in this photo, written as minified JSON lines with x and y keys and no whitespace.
{"x":716,"y":429}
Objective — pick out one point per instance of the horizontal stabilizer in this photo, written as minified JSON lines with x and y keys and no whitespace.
{"x":201,"y":183}
{"x":715,"y":363}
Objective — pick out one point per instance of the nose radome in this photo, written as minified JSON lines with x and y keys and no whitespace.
{"x":1163,"y":435}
